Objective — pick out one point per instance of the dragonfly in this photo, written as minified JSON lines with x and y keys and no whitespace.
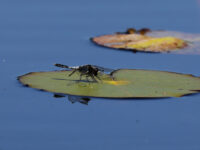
{"x":91,"y":71}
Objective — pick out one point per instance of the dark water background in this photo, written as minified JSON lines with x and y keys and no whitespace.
{"x":36,"y":34}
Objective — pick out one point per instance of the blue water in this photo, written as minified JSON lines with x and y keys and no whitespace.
{"x":36,"y":34}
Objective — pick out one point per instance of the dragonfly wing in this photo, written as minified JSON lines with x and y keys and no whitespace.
{"x":74,"y":67}
{"x":102,"y":69}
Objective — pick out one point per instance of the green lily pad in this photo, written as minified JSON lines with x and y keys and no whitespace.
{"x":127,"y":83}
{"x":146,"y":40}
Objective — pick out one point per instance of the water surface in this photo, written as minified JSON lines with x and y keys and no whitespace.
{"x":36,"y":34}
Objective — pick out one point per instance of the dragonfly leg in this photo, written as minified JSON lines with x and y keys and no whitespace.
{"x":98,"y":78}
{"x":93,"y":78}
{"x":112,"y":77}
{"x":87,"y":78}
{"x":81,"y":76}
{"x":72,"y":72}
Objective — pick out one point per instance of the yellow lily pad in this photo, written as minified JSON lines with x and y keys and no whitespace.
{"x":151,"y":41}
